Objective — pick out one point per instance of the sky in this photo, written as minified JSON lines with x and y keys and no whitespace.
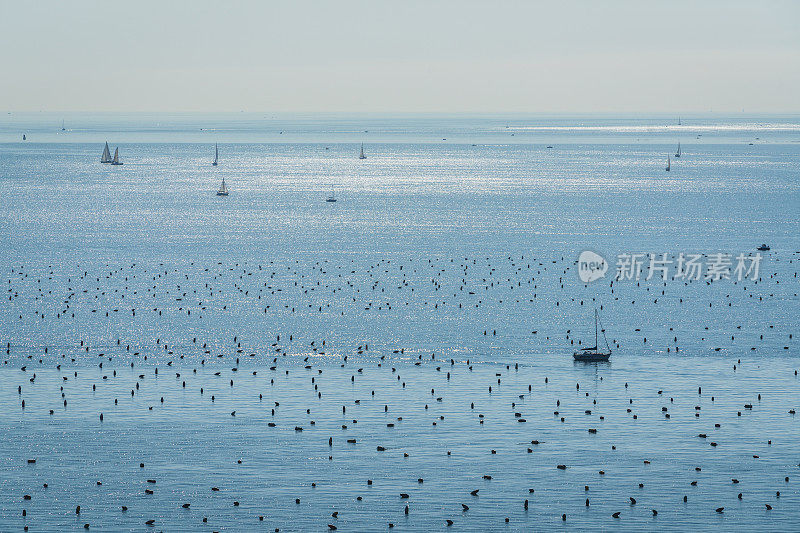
{"x":563,"y":56}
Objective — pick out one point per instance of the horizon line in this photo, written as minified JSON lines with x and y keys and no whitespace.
{"x":406,"y":112}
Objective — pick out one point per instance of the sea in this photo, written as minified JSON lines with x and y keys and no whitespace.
{"x":399,"y":359}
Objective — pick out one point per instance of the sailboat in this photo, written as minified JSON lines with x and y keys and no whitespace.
{"x":62,"y":125}
{"x":223,"y":189}
{"x":668,"y":164}
{"x":593,"y":353}
{"x":362,"y":156}
{"x":678,"y":153}
{"x":116,"y":160}
{"x":106,"y":155}
{"x":216,"y":154}
{"x":331,"y":198}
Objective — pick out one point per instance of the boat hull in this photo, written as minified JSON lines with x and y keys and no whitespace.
{"x":222,"y":194}
{"x":591,"y":357}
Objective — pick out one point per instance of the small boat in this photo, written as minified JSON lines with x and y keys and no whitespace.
{"x":668,"y":165}
{"x":116,"y":160}
{"x":106,"y":155}
{"x":23,"y":137}
{"x":362,"y":156}
{"x":331,"y":198}
{"x":763,"y":248}
{"x":592,"y":354}
{"x":216,"y":154}
{"x":62,"y":125}
{"x":223,"y":189}
{"x":678,"y":153}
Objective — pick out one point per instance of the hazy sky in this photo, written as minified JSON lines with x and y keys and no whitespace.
{"x":402,"y":55}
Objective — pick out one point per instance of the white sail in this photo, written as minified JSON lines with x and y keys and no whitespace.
{"x":362,"y":156}
{"x":668,"y":164}
{"x":216,"y":154}
{"x":106,"y":155}
{"x":223,"y":189}
{"x":115,"y":161}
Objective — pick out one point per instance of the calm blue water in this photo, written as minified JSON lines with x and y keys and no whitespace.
{"x":448,"y":262}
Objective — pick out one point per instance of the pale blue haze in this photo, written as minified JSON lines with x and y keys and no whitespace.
{"x":515,"y":56}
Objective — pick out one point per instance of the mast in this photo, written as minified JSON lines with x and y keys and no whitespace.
{"x":595,"y":329}
{"x":603,"y":331}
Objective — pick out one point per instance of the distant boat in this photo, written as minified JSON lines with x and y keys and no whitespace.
{"x":763,"y":248}
{"x":106,"y":155}
{"x":592,"y":353}
{"x":331,"y":198}
{"x":362,"y":156}
{"x":116,"y":160}
{"x":23,"y":137}
{"x":223,"y":189}
{"x":678,"y":153}
{"x":679,"y":121}
{"x":216,"y":154}
{"x":668,"y":164}
{"x":62,"y":125}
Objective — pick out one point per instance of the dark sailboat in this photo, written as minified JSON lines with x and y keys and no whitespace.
{"x":592,"y":353}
